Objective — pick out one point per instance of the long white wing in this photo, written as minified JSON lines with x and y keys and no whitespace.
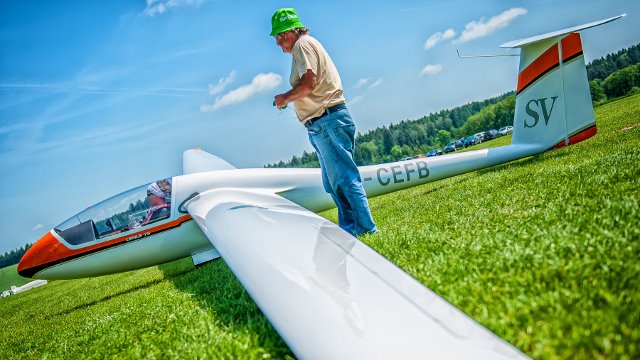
{"x":329,"y":295}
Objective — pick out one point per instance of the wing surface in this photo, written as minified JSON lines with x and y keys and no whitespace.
{"x":196,"y":160}
{"x":329,"y":295}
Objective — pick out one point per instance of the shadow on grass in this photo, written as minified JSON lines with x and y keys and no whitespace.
{"x":123,"y":292}
{"x":219,"y":292}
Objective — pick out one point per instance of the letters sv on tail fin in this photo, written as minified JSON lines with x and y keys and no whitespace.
{"x":553,"y":109}
{"x":553,"y":101}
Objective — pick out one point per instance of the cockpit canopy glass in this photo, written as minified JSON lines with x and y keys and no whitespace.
{"x":130,"y":210}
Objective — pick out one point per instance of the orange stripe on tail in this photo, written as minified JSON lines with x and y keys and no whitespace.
{"x":540,"y":66}
{"x":581,"y":136}
{"x":571,"y":47}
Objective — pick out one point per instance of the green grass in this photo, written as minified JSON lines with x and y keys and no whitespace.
{"x":501,"y":141}
{"x":168,"y":311}
{"x":543,"y":251}
{"x":9,"y":276}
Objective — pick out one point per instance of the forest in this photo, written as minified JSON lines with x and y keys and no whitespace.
{"x":13,"y":256}
{"x":610,"y":77}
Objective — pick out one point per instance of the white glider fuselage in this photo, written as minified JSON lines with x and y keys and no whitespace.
{"x":177,"y":236}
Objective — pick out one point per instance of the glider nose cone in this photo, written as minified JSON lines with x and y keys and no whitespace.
{"x":43,"y":253}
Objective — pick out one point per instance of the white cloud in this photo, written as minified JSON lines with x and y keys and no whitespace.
{"x":260,"y":83}
{"x":448,"y":34}
{"x":155,"y":7}
{"x":433,"y":40}
{"x":437,"y":37}
{"x":481,"y":28}
{"x":356,"y":99}
{"x":376,"y":83}
{"x":222,"y":83}
{"x":431,"y":69}
{"x":178,"y":54}
{"x":360,"y":83}
{"x":39,"y":226}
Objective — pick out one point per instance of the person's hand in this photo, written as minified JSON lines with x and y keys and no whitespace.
{"x":280,"y":101}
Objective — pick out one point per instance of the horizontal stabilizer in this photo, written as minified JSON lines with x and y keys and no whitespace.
{"x":533,"y":39}
{"x":196,"y":160}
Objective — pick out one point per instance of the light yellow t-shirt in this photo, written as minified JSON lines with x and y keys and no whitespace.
{"x":308,"y":53}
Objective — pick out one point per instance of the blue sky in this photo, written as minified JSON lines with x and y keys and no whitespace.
{"x":97,"y":97}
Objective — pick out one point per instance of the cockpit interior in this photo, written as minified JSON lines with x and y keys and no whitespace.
{"x":130,"y":210}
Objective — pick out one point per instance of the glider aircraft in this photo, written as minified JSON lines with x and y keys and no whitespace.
{"x":326,"y":293}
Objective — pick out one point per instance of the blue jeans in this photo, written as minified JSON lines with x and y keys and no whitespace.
{"x":333,"y":137}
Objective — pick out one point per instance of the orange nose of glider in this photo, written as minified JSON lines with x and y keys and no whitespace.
{"x":45,"y":252}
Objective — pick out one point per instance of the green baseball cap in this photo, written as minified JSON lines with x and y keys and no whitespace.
{"x":283,"y":20}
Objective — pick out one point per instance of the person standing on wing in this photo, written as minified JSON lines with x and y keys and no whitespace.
{"x":320,"y":106}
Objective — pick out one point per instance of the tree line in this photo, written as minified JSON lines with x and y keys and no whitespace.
{"x":13,"y":257}
{"x":612,"y":76}
{"x":121,"y":219}
{"x":615,"y":75}
{"x":407,"y":138}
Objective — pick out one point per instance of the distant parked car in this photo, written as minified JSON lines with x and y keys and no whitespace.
{"x":490,"y":135}
{"x":505,"y":130}
{"x":472,"y":140}
{"x":450,"y":147}
{"x":407,"y":158}
{"x":480,"y":136}
{"x":434,"y":152}
{"x":419,"y":156}
{"x":460,"y":144}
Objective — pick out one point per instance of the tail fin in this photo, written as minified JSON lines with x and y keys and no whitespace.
{"x":553,"y":101}
{"x":197,"y":160}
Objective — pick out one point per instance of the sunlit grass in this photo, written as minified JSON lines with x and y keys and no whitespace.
{"x":543,"y":251}
{"x":9,"y":277}
{"x":170,"y":311}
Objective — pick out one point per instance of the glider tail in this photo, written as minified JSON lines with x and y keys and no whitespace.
{"x":553,"y":101}
{"x":196,"y":160}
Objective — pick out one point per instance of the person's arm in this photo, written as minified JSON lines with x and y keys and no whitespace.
{"x":302,"y":89}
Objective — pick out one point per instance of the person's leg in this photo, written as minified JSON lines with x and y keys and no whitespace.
{"x":346,"y":220}
{"x":345,"y":215}
{"x":348,"y":181}
{"x":313,"y":137}
{"x":337,"y":146}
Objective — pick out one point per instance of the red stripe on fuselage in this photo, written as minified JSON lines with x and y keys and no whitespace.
{"x":49,"y":251}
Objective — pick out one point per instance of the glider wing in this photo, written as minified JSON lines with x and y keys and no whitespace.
{"x":329,"y":295}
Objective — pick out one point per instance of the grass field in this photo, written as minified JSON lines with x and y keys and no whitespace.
{"x":9,"y":276}
{"x":543,"y":251}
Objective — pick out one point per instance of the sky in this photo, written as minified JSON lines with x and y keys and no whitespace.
{"x":97,"y":97}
